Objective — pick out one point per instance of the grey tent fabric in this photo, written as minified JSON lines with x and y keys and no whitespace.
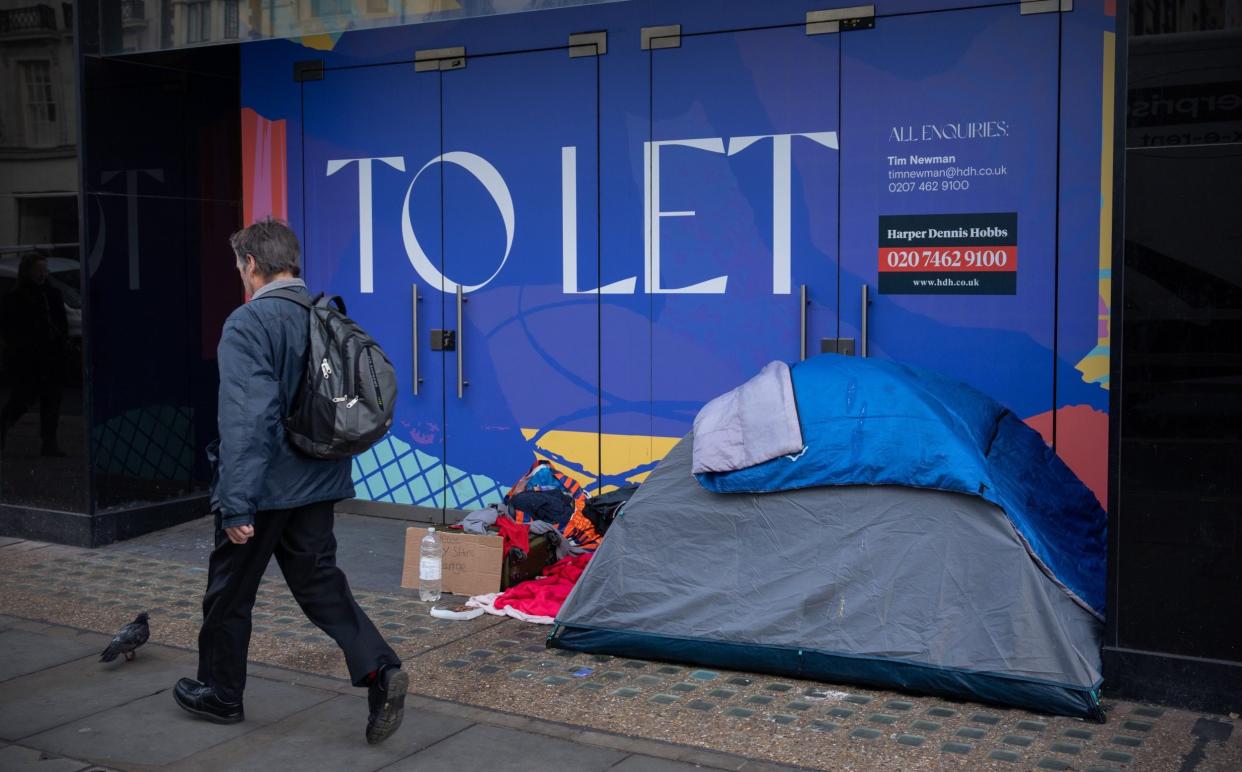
{"x":887,"y":579}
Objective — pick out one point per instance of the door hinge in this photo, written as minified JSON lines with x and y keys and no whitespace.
{"x":840,"y":20}
{"x":1046,"y":6}
{"x":668,"y":36}
{"x":588,"y":44}
{"x":437,"y":59}
{"x":308,"y":70}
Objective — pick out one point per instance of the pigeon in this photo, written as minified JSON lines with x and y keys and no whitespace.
{"x":127,"y":639}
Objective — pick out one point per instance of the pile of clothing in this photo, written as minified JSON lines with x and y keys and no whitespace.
{"x":545,"y":501}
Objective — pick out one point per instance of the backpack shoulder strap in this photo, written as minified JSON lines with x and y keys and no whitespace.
{"x":297,"y":297}
{"x":326,"y":301}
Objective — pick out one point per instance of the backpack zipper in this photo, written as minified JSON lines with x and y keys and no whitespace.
{"x":379,"y":397}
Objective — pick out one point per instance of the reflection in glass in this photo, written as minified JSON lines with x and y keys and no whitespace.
{"x":42,"y":432}
{"x":156,"y":25}
{"x":162,"y":196}
{"x":35,"y":328}
{"x":1181,"y":395}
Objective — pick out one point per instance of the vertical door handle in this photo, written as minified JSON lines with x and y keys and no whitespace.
{"x":414,"y":298}
{"x":802,"y":304}
{"x":866,"y":300}
{"x":462,"y":383}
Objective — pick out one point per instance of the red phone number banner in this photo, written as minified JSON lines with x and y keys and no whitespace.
{"x":953,"y":259}
{"x":972,"y":253}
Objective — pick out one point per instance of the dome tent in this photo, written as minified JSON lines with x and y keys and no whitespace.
{"x":924,"y":538}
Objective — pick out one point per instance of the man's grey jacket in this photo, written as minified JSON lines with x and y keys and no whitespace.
{"x":262,"y":360}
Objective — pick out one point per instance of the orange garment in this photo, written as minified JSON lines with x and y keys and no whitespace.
{"x":578,"y":527}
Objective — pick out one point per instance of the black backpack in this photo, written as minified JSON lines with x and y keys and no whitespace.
{"x":602,"y":510}
{"x":345,"y":402}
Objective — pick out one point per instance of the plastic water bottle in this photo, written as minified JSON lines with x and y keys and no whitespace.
{"x":430,"y":560}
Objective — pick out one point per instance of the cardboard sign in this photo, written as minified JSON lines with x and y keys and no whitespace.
{"x":472,"y":563}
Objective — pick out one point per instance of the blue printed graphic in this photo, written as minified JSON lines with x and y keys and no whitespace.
{"x":613,"y":240}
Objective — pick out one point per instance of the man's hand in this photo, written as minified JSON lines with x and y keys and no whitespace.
{"x":240,"y":534}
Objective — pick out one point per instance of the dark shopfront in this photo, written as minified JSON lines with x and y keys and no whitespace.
{"x":132,"y":222}
{"x":122,"y":155}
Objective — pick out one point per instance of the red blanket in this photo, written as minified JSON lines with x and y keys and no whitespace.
{"x":544,"y":595}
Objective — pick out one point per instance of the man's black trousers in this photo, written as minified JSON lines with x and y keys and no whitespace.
{"x":305,"y":549}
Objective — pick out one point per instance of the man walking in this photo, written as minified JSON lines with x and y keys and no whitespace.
{"x":269,"y":499}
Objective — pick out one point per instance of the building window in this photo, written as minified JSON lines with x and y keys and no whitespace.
{"x":41,"y":112}
{"x":198,"y":22}
{"x":377,"y":6}
{"x":331,"y":7}
{"x":230,"y":19}
{"x":47,"y":219}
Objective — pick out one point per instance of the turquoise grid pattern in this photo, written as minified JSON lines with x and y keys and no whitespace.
{"x":396,"y":472}
{"x":154,"y":443}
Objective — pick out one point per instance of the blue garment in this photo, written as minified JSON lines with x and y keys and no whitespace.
{"x":870,"y":422}
{"x":543,"y":480}
{"x":549,"y":506}
{"x":262,"y":361}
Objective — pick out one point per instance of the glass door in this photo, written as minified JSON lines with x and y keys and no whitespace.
{"x":741,"y":211}
{"x":520,"y":177}
{"x":949,"y":197}
{"x":371,"y":221}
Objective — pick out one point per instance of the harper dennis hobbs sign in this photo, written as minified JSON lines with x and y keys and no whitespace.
{"x":949,"y":254}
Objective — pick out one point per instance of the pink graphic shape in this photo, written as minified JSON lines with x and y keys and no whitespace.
{"x":1082,"y":443}
{"x":265,"y":183}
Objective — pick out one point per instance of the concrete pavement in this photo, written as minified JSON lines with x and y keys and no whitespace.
{"x":491,"y":673}
{"x":60,"y":709}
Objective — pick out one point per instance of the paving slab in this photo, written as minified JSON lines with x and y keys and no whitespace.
{"x":15,"y":758}
{"x":190,"y":543}
{"x":497,"y":749}
{"x":154,"y":731}
{"x":767,"y":766}
{"x":749,"y":714}
{"x":26,"y":652}
{"x":336,"y":728}
{"x":370,"y":550}
{"x":26,"y":546}
{"x":48,"y":698}
{"x":497,"y":672}
{"x":104,"y":589}
{"x":649,"y":764}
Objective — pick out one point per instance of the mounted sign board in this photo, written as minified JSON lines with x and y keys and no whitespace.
{"x":949,"y":254}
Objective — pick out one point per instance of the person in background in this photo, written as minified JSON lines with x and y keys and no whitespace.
{"x":36,"y":332}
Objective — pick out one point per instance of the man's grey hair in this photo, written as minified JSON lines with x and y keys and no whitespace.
{"x":272,"y":244}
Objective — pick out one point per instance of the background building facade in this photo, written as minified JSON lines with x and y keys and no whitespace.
{"x":657,"y":198}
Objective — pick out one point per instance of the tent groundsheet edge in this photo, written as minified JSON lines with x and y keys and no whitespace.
{"x":831,"y":667}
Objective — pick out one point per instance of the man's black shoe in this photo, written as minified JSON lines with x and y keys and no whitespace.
{"x":202,"y":701}
{"x":386,"y":699}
